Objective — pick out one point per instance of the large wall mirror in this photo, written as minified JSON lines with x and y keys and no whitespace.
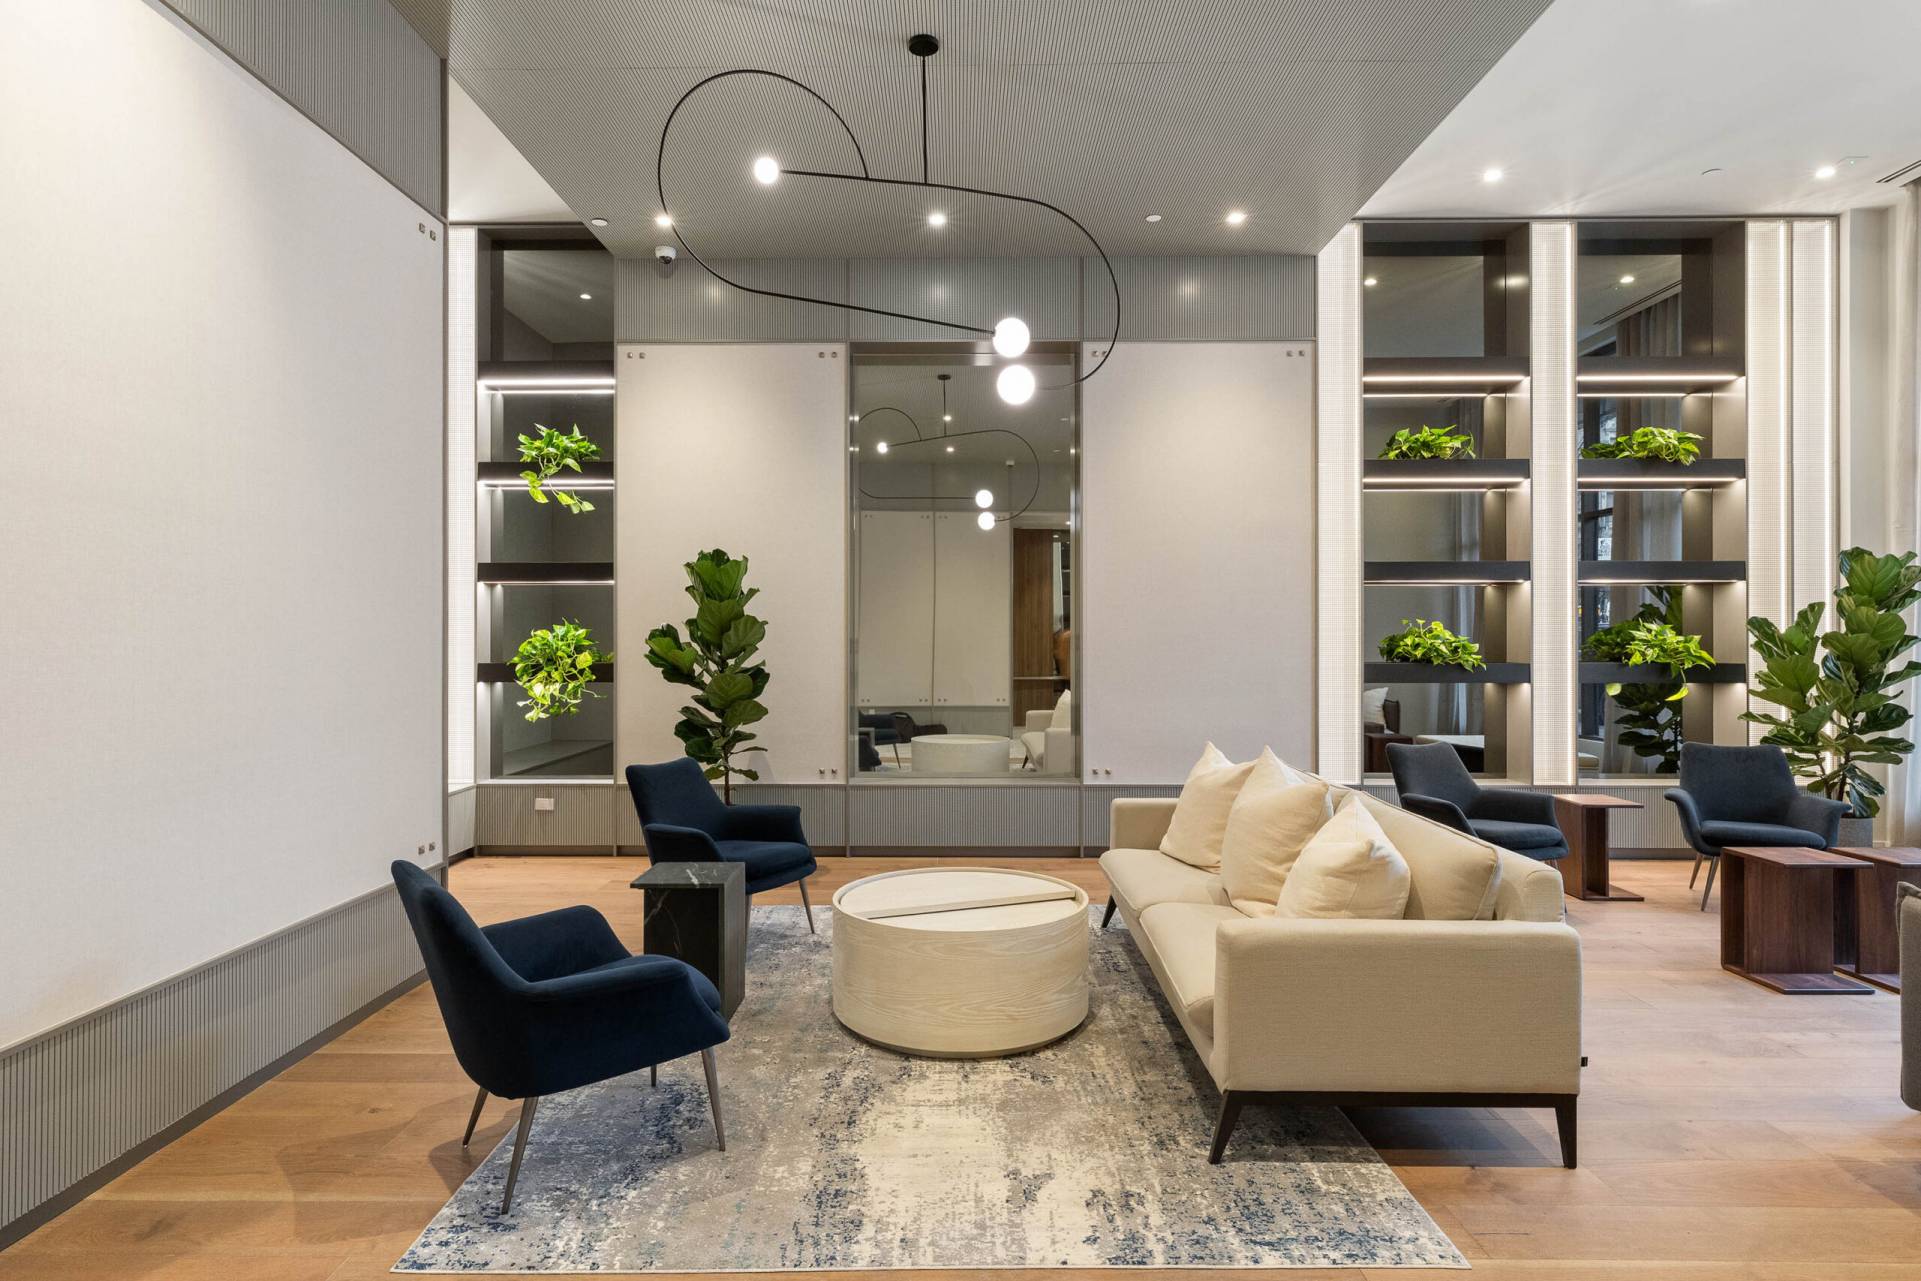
{"x":962,"y":562}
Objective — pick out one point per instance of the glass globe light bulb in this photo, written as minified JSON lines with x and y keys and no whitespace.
{"x":767,"y":171}
{"x":983,"y":498}
{"x":1011,"y":336}
{"x":1015,"y":384}
{"x":985,"y":520}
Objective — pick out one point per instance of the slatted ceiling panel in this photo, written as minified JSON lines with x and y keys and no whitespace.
{"x":1296,"y":110}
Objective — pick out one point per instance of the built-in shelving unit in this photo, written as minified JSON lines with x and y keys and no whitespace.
{"x":503,"y":673}
{"x":1473,"y":573}
{"x":506,"y":475}
{"x":497,"y":573}
{"x":1630,"y":673}
{"x":1662,"y":572}
{"x":1444,"y":475}
{"x":1643,"y":473}
{"x":1431,"y":674}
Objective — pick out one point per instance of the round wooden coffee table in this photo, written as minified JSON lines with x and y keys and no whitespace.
{"x":962,"y":962}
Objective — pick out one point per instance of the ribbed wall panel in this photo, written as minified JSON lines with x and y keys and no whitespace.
{"x":1553,"y":500}
{"x":1202,"y":299}
{"x":1812,"y":408}
{"x":79,"y":1097}
{"x":353,"y":67}
{"x":903,"y":815}
{"x":686,"y":304}
{"x":1045,"y":292}
{"x":1769,"y":376}
{"x":462,"y":263}
{"x":1338,"y":541}
{"x":1097,"y":810}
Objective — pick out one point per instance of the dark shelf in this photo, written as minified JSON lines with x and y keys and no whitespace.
{"x":535,"y":373}
{"x":1443,"y":474}
{"x":1442,"y":375}
{"x":1428,"y":674}
{"x":600,"y":475}
{"x":1464,"y":572}
{"x":1647,"y":473}
{"x":503,"y":673}
{"x":1638,"y":674}
{"x":1594,"y":572}
{"x":562,"y":571}
{"x":1630,"y":376}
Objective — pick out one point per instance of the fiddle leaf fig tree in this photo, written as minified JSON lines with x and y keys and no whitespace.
{"x":554,"y":666}
{"x":716,"y":659}
{"x":1837,"y":689}
{"x":549,"y":452}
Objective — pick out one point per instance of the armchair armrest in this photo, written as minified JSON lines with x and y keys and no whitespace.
{"x":1690,"y":815}
{"x":763,"y":823}
{"x":551,"y":944}
{"x":661,"y":976}
{"x":1139,"y":822}
{"x":1446,"y":813}
{"x":1397,"y":1006}
{"x":1057,"y":751}
{"x":1516,"y":805}
{"x":1817,"y":813}
{"x":667,"y":843}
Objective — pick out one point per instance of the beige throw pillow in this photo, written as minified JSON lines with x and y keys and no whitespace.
{"x":1200,"y":815}
{"x":1277,"y":812}
{"x":1349,"y":869}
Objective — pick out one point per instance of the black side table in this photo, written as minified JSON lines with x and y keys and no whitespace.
{"x":697,"y":913}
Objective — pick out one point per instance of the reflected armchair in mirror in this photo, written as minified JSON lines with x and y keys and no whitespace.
{"x":1048,"y":738}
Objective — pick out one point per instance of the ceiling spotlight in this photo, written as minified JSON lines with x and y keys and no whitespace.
{"x":937,"y":219}
{"x":1370,"y":282}
{"x":598,"y":222}
{"x":983,"y":498}
{"x":1153,"y":217}
{"x":1487,"y":175}
{"x":985,"y":520}
{"x":767,"y":171}
{"x":1825,"y":171}
{"x":586,"y":297}
{"x":950,"y":449}
{"x":1627,"y":280}
{"x":662,"y":220}
{"x":881,"y":448}
{"x":1010,"y":336}
{"x":1235,"y":217}
{"x":1015,"y":384}
{"x":947,"y":418}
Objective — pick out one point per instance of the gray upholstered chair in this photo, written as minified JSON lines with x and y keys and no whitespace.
{"x":1433,"y":783}
{"x":1746,"y":796}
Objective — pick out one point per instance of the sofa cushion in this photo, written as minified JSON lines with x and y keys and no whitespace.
{"x":1277,"y":812}
{"x":1725,"y":834}
{"x":1183,"y":938}
{"x":1349,"y":870}
{"x":1143,"y":878}
{"x":1453,"y":876}
{"x":1516,"y":836}
{"x":1200,"y":815}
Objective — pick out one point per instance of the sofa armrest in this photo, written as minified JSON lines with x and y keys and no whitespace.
{"x":1397,"y":1006}
{"x":1139,"y":822}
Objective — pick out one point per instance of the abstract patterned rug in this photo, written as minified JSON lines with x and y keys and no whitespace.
{"x":1091,"y":1152}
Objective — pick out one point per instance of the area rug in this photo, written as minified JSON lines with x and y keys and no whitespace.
{"x":1091,"y":1152}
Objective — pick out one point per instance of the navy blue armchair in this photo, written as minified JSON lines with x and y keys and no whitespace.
{"x":684,"y":821}
{"x":554,"y":1002}
{"x":1747,"y":796}
{"x":1433,"y":783}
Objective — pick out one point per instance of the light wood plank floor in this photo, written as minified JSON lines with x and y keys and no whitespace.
{"x":1726,"y":1132}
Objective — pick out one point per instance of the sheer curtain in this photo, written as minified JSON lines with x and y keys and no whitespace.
{"x":1902,"y":813}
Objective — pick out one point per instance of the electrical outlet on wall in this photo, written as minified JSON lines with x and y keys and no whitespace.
{"x":543,"y":804}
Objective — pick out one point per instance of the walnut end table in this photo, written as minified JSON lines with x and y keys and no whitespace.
{"x":1781,"y":915}
{"x":1584,"y":821}
{"x":1873,"y":950}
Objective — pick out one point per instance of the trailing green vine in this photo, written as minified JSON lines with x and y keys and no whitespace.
{"x":1664,"y":444}
{"x":554,"y":666}
{"x":1429,"y":442}
{"x":550,"y":452}
{"x":1650,"y":721}
{"x":1422,"y":641}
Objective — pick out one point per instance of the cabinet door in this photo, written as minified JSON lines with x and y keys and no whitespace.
{"x":894,"y":620}
{"x":973,"y":612}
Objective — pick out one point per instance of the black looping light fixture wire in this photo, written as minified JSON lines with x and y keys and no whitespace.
{"x":921,"y":438}
{"x":922,"y":47}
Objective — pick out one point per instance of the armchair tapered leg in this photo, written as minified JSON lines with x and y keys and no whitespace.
{"x":1108,"y":915}
{"x":1696,"y":873}
{"x":713,"y":1098}
{"x":1714,"y":865}
{"x":520,"y":1149}
{"x":1230,"y":1114}
{"x":480,"y":1101}
{"x":807,"y":905}
{"x":653,"y":1074}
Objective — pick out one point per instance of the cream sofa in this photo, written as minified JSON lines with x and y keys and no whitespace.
{"x":1481,"y":1010}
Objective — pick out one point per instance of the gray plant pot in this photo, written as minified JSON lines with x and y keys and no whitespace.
{"x":1856,"y":833}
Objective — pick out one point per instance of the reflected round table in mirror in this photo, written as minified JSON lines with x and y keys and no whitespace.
{"x":962,"y":753}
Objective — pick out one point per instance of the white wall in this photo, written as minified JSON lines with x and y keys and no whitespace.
{"x":1196,"y":594}
{"x":220,"y":391}
{"x":741,"y":447}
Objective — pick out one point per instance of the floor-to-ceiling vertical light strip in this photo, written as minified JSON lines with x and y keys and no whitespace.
{"x":1811,"y":424}
{"x":1338,"y":551}
{"x":462,"y":247}
{"x":1553,"y":669}
{"x":1769,"y":382}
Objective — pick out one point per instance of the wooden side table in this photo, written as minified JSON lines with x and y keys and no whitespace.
{"x":697,"y":913}
{"x":1780,"y":917}
{"x":1584,"y":821}
{"x":1873,"y":950}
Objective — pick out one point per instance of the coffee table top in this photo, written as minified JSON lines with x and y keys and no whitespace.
{"x":1791,"y":856}
{"x":1597,"y":801}
{"x":961,"y":898}
{"x":690,"y":876}
{"x":962,"y":739}
{"x":1894,"y":856}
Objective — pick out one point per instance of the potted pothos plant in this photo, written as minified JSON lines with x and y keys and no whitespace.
{"x":1649,"y":724}
{"x":1430,"y":642}
{"x":1661,"y":444}
{"x":550,"y":452}
{"x":554,"y":667}
{"x":716,"y":660}
{"x":1838,"y":690}
{"x":1428,"y":442}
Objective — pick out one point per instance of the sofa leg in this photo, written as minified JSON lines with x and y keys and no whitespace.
{"x":480,"y":1101}
{"x":1108,"y":915}
{"x":1564,"y":1123}
{"x":520,"y":1150}
{"x":807,"y":905}
{"x":1695,"y":875}
{"x":1714,"y":865}
{"x":1230,"y":1113}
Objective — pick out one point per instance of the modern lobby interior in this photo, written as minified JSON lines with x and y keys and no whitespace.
{"x":961,"y":637}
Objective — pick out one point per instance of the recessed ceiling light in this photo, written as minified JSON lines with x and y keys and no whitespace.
{"x":1627,"y":280}
{"x":937,"y":219}
{"x":1491,"y":174}
{"x":947,"y":418}
{"x":1825,"y":171}
{"x":1370,"y":282}
{"x":598,"y":222}
{"x":950,"y":449}
{"x":586,"y":297}
{"x":1235,"y":217}
{"x":1153,"y":217}
{"x":662,"y":220}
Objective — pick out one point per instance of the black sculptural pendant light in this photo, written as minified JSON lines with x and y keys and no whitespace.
{"x":982,"y":498}
{"x":1010,"y":335}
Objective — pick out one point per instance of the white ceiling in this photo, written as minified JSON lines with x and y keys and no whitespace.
{"x":1293,"y":110}
{"x":1617,"y":106}
{"x":487,"y":180}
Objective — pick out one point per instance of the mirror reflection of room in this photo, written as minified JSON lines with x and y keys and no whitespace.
{"x":964,"y":568}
